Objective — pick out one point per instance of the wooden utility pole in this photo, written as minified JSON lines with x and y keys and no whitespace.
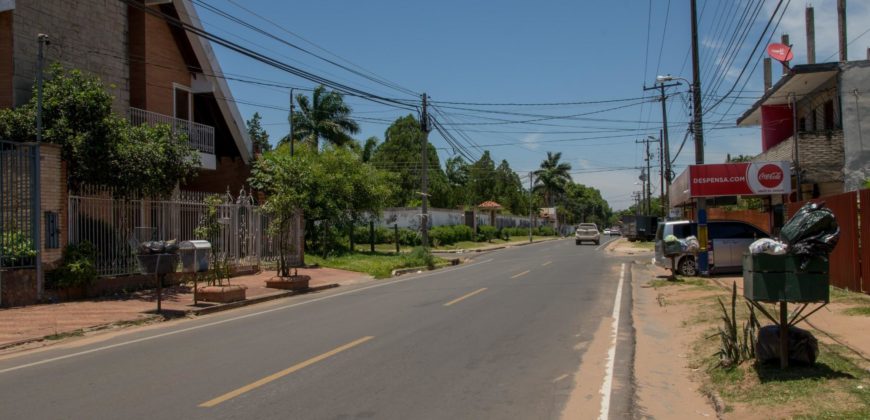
{"x":699,"y":139}
{"x":841,"y":29}
{"x":424,"y":168}
{"x":665,"y":145}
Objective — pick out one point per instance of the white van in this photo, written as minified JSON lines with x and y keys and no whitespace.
{"x":727,"y":242}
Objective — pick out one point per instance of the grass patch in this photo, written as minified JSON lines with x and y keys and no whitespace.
{"x":696,"y":282}
{"x":645,"y":245}
{"x":828,"y":389}
{"x":858,"y":311}
{"x":839,"y":295}
{"x":378,"y":264}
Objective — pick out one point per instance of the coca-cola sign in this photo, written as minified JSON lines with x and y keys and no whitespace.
{"x":745,"y":178}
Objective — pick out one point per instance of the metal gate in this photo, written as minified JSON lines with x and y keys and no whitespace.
{"x":18,"y":204}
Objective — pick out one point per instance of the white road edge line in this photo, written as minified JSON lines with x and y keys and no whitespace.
{"x":607,"y":386}
{"x":224,"y":321}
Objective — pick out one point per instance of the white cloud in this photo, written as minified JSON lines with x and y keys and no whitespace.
{"x":530,"y":141}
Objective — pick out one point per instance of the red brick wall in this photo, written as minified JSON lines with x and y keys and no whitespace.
{"x":156,"y":63}
{"x":231,"y":173}
{"x":7,"y":67}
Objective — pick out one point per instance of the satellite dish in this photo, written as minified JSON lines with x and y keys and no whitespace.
{"x":780,"y":52}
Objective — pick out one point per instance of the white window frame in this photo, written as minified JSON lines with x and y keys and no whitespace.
{"x":178,"y":86}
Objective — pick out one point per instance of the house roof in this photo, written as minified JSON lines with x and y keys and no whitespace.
{"x":210,"y":67}
{"x":491,"y":205}
{"x":801,"y":80}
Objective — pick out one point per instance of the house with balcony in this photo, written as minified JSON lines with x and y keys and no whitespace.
{"x":157,"y":73}
{"x":816,"y":117}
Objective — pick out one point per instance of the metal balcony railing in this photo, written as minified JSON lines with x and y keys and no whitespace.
{"x":200,"y":136}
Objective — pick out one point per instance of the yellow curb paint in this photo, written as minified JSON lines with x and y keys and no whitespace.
{"x":546,"y":263}
{"x":520,"y":274}
{"x":285,"y":372}
{"x":461,"y":298}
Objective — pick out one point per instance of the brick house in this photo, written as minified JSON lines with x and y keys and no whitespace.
{"x":831,"y":101}
{"x":157,"y":73}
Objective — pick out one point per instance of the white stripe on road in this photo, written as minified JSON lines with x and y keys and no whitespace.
{"x":607,"y":386}
{"x":224,"y":321}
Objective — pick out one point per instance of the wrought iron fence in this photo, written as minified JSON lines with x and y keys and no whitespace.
{"x":18,"y":211}
{"x":116,"y":226}
{"x":200,"y":136}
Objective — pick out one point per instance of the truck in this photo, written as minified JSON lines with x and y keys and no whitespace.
{"x":639,"y":227}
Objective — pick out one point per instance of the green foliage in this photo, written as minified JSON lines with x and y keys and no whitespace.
{"x":259,"y":136}
{"x":209,"y":229}
{"x":552,"y":178}
{"x":400,"y":154}
{"x":421,"y":257}
{"x":735,"y":347}
{"x":584,"y":204}
{"x":448,"y":235}
{"x":325,"y":116}
{"x":77,"y":268}
{"x":486,"y":233}
{"x":101,"y":148}
{"x":16,"y":247}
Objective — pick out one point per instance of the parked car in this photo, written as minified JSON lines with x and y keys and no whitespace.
{"x":587,"y":232}
{"x":726,"y":242}
{"x":608,"y":232}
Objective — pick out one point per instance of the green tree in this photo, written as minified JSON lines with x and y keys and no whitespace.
{"x":400,"y":153}
{"x":259,"y":136}
{"x":323,"y":117}
{"x":457,"y":173}
{"x":369,"y":148}
{"x":509,"y":190}
{"x":99,"y":147}
{"x":552,"y":177}
{"x":482,"y":179}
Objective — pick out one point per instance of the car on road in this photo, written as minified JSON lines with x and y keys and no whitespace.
{"x":587,"y":232}
{"x":615,"y":231}
{"x":727,"y":241}
{"x":608,"y":232}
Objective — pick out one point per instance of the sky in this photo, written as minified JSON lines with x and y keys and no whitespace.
{"x":577,"y":67}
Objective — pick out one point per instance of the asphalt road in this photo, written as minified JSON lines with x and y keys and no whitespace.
{"x":496,"y":338}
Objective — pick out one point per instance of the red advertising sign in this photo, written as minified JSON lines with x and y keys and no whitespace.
{"x":748,"y":178}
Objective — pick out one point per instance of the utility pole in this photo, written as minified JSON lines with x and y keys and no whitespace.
{"x":699,"y":139}
{"x":662,"y":177}
{"x":291,"y":120}
{"x":531,"y":205}
{"x":646,"y":177}
{"x":797,"y":151}
{"x":665,"y":145}
{"x":42,"y":39}
{"x":424,"y":165}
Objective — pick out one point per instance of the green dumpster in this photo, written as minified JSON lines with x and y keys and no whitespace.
{"x":779,"y":278}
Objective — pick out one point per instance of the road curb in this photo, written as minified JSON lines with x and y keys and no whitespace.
{"x":253,"y":301}
{"x":477,"y":250}
{"x":400,"y":271}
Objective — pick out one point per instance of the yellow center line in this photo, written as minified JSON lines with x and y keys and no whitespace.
{"x":285,"y":372}
{"x":520,"y":274}
{"x":461,"y":298}
{"x":546,"y":263}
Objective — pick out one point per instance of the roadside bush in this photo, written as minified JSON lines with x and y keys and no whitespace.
{"x":78,"y":267}
{"x":447,"y":235}
{"x":486,"y":233}
{"x":408,"y":237}
{"x":382,"y":235}
{"x":420,"y":256}
{"x":16,"y":248}
{"x":545,"y":231}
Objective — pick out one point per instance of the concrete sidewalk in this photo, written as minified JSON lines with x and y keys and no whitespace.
{"x":33,"y":323}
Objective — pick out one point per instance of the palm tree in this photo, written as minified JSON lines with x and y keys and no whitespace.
{"x":552,"y":178}
{"x":325,"y":116}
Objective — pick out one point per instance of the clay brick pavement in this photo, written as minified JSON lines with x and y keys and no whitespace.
{"x":37,"y":321}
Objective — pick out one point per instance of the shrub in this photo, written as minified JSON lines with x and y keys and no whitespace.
{"x":78,"y":267}
{"x":420,"y":256}
{"x":545,"y":231}
{"x":447,"y":235}
{"x":16,"y":248}
{"x":486,"y":233}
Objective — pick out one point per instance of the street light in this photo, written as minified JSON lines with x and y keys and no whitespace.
{"x":669,"y":78}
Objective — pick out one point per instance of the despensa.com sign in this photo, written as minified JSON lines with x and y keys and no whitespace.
{"x":750,"y":178}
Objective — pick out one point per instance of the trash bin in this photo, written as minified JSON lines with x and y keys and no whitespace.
{"x":194,"y":256}
{"x":157,"y":263}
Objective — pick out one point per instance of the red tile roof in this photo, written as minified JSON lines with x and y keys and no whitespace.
{"x":489,"y":205}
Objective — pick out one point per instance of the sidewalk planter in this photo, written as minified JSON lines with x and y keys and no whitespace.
{"x":222,"y":294}
{"x":778,"y":278}
{"x":295,"y":283}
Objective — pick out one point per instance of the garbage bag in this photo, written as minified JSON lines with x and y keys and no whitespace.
{"x":158,"y":247}
{"x":691,"y":245}
{"x":812,"y":231}
{"x":803,"y":348}
{"x":671,"y":239}
{"x":768,"y":246}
